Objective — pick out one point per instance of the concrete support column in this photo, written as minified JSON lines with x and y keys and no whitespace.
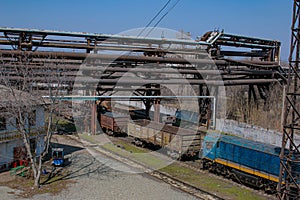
{"x":156,"y":110}
{"x":157,"y":106}
{"x":93,"y":118}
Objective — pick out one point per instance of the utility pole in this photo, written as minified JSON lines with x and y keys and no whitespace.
{"x":288,"y":185}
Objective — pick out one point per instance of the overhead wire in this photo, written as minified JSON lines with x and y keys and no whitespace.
{"x":157,"y":14}
{"x":163,"y":17}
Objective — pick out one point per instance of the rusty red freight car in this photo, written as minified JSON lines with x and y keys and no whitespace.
{"x":114,"y":123}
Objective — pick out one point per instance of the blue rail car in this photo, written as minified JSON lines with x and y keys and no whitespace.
{"x":253,"y":163}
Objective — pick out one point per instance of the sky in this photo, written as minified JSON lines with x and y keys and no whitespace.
{"x":270,"y":19}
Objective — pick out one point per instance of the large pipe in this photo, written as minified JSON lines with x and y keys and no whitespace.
{"x":142,"y":59}
{"x":132,"y":82}
{"x":68,"y":69}
{"x":111,"y":58}
{"x":98,"y":47}
{"x":102,"y":37}
{"x":101,"y":73}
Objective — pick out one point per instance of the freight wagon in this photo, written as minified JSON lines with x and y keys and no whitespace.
{"x":177,"y":141}
{"x":114,"y":123}
{"x":253,"y":163}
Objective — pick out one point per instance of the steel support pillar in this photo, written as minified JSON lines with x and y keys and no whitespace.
{"x":288,"y":185}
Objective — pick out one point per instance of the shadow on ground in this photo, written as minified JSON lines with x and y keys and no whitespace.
{"x":68,"y":149}
{"x":77,"y":164}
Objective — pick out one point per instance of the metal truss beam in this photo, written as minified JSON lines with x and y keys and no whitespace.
{"x":289,"y":179}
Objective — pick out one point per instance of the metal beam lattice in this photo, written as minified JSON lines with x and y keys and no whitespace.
{"x":288,"y":186}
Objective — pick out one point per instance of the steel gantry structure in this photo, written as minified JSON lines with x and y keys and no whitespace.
{"x":107,"y":62}
{"x":252,"y":60}
{"x":288,"y":186}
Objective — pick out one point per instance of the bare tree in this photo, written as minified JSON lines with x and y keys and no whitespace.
{"x":265,"y":113}
{"x":24,"y":80}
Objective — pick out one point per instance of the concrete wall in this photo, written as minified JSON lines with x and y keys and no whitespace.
{"x":40,"y":117}
{"x":251,"y":132}
{"x":7,"y":149}
{"x":40,"y":120}
{"x":40,"y":145}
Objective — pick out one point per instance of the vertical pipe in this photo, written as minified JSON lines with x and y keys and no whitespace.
{"x":93,"y":117}
{"x":88,"y":44}
{"x":283,"y":108}
{"x":157,"y":106}
{"x":214,"y":113}
{"x":156,"y":110}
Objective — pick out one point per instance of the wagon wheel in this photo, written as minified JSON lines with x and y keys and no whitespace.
{"x":110,"y":132}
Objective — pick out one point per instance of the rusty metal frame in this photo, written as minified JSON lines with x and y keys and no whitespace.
{"x":288,"y":186}
{"x":74,"y":47}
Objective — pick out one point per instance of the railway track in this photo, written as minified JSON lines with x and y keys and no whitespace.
{"x":196,"y":167}
{"x":202,"y":194}
{"x":174,"y":182}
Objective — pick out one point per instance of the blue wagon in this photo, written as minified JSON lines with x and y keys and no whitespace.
{"x":57,"y":157}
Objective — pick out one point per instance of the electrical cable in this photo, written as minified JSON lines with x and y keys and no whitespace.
{"x":163,"y":17}
{"x":154,"y":18}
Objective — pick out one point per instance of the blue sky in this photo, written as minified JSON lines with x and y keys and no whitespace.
{"x":260,"y":18}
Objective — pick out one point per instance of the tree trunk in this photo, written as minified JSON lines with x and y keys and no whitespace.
{"x":39,"y":173}
{"x":35,"y":168}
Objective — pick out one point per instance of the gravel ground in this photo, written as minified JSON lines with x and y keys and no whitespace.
{"x":8,"y":193}
{"x":95,"y":180}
